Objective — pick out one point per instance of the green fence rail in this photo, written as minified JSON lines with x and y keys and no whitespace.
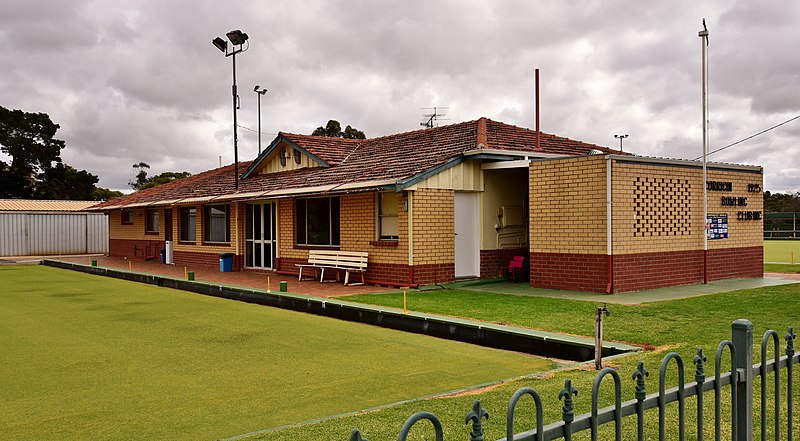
{"x":782,"y":226}
{"x":739,"y":380}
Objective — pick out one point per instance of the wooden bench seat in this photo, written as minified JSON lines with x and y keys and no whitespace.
{"x":346,"y":261}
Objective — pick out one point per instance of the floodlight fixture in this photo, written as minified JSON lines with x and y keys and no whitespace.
{"x":220,"y":44}
{"x":237,"y":37}
{"x":621,"y":137}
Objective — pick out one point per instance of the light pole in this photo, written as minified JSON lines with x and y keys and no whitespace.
{"x":621,"y":137}
{"x":237,"y":39}
{"x":259,"y":92}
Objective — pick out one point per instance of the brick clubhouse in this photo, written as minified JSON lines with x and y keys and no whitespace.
{"x":462,"y":200}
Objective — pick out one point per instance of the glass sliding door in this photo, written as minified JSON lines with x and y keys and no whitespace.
{"x":260,"y":236}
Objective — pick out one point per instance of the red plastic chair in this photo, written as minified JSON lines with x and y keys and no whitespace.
{"x":515,"y":265}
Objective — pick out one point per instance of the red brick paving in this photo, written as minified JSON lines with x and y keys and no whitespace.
{"x":250,"y":279}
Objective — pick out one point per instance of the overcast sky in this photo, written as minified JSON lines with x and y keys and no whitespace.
{"x":132,"y":81}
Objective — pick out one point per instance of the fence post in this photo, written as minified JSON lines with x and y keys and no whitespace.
{"x":742,"y":336}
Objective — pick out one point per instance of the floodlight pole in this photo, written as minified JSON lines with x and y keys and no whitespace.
{"x":235,"y":129}
{"x":259,"y":92}
{"x":704,"y":78}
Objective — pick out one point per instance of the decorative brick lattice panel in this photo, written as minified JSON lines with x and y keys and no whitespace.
{"x":662,"y":207}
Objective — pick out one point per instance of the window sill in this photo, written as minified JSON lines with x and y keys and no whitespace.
{"x":384,"y":243}
{"x":183,"y":242}
{"x":217,"y":244}
{"x":317,"y":247}
{"x":152,"y":233}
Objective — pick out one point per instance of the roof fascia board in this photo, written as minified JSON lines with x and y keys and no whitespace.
{"x":519,"y":163}
{"x":517,"y":153}
{"x":686,"y":163}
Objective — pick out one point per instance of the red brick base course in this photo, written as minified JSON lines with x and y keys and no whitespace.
{"x":636,"y":272}
{"x":151,"y":250}
{"x":577,"y":272}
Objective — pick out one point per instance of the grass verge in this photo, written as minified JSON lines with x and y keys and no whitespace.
{"x":679,"y":325}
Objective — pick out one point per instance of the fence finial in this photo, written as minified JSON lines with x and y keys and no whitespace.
{"x":789,"y":337}
{"x":568,"y":410}
{"x":699,"y":369}
{"x":355,"y":435}
{"x":475,"y":415}
{"x":639,"y":375}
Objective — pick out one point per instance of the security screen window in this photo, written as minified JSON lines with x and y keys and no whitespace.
{"x":151,"y":224}
{"x":216,"y":222}
{"x":317,"y":221}
{"x":387,"y":216}
{"x":188,"y":224}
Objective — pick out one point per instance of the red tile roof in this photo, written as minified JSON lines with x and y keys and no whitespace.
{"x":389,"y":158}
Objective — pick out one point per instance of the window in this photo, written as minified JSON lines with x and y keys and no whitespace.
{"x":387,"y":216}
{"x":317,"y":221}
{"x":188,"y":224}
{"x":127,"y":217}
{"x":216,"y":223}
{"x":151,"y":224}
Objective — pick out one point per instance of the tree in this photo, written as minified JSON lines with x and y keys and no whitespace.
{"x":334,"y":130}
{"x":29,"y":138}
{"x":142,"y":182}
{"x":781,"y":202}
{"x":36,"y":170}
{"x":141,"y":175}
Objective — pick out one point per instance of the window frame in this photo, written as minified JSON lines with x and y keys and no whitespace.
{"x":207,"y":224}
{"x":334,"y":222}
{"x":380,"y":215}
{"x":129,"y":213}
{"x":183,"y":224}
{"x":152,"y":225}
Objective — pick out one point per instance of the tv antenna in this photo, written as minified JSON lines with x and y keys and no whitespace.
{"x":432,"y":119}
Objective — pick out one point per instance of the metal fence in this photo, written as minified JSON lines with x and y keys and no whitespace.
{"x":739,"y":380}
{"x":782,"y":226}
{"x":43,"y":234}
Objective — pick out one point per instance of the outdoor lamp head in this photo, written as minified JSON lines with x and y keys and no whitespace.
{"x":220,"y":44}
{"x":255,"y":89}
{"x":237,"y":37}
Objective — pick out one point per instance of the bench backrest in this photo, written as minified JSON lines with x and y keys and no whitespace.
{"x":336,"y":258}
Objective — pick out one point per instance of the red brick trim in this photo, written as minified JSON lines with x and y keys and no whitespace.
{"x":578,"y":272}
{"x":641,"y":271}
{"x":389,"y":272}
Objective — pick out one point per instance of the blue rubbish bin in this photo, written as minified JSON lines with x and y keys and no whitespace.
{"x":226,"y":262}
{"x":163,"y":255}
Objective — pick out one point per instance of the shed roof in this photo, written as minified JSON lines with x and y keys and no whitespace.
{"x":40,"y":205}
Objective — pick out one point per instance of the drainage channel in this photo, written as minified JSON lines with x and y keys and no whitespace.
{"x":546,"y":344}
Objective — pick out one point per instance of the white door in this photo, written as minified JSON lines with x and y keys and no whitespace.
{"x":467,"y":227}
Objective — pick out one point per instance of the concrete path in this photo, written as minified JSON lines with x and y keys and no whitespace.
{"x":630,"y":298}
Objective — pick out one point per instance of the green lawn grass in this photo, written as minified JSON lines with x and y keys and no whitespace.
{"x":782,"y":251}
{"x":782,"y":268}
{"x":678,"y":325}
{"x":87,"y":357}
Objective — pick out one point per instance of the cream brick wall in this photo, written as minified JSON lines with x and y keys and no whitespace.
{"x":116,"y":230}
{"x":568,"y":206}
{"x":358,"y":220}
{"x":199,"y":246}
{"x":434,"y":227}
{"x":670,"y":212}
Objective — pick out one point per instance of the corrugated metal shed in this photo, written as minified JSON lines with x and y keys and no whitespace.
{"x":41,"y":228}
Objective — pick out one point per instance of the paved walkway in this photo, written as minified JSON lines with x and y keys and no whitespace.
{"x":631,"y":298}
{"x":245,"y":279}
